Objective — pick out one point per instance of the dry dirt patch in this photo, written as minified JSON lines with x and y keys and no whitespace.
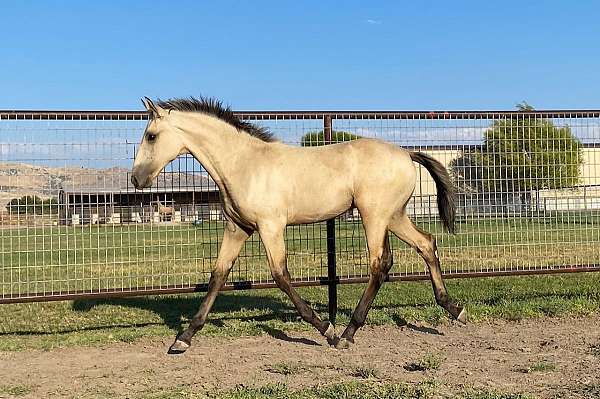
{"x":543,"y":357}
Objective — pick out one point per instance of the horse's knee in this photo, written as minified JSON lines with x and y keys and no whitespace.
{"x":277,"y":277}
{"x":281,"y":278}
{"x":218,"y":272}
{"x":218,"y":276}
{"x":379,"y":269}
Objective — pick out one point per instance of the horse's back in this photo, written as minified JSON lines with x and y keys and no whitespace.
{"x":329,"y":179}
{"x":359,"y":163}
{"x":363,"y":152}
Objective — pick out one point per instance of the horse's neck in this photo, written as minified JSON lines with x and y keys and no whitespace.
{"x":218,"y":146}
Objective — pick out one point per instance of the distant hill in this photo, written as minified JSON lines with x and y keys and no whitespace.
{"x":19,"y":179}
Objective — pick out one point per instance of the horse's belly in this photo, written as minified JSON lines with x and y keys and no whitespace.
{"x":313,"y":204}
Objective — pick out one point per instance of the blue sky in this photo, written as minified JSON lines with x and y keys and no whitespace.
{"x":268,"y":55}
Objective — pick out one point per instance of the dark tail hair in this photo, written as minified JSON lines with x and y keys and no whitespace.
{"x":445,"y":188}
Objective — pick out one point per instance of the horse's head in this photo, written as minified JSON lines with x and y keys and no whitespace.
{"x":161,"y":143}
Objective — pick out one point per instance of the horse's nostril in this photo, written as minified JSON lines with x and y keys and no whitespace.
{"x":134,"y":181}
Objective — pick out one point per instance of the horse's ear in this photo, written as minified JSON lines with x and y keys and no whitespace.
{"x":155,"y":110}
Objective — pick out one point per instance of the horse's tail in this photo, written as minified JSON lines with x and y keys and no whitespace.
{"x":445,"y":188}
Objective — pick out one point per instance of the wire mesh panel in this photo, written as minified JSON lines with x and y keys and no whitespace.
{"x":71,"y":223}
{"x":528,"y":191}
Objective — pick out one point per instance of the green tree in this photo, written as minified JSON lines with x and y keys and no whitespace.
{"x":312,"y":139}
{"x":520,"y":154}
{"x":524,"y":106}
{"x":32,"y":205}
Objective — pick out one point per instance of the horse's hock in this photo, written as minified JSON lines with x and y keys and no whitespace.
{"x":84,"y":231}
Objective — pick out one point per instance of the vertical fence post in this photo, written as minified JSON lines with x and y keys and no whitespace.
{"x":331,"y":261}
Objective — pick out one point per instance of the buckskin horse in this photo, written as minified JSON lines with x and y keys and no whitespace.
{"x":266,"y":185}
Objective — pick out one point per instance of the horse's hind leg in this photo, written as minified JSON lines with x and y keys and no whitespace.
{"x":274,"y":242}
{"x":380,"y":257}
{"x":233,"y":239}
{"x":425,"y":245}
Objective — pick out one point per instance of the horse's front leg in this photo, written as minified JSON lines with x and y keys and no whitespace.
{"x":233,"y":238}
{"x":272,"y":236}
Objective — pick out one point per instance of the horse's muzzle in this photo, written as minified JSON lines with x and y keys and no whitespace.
{"x":139,"y":184}
{"x":134,"y":181}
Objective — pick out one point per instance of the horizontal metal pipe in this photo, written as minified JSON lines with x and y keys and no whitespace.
{"x":121,"y":292}
{"x":284,"y":115}
{"x":281,"y":115}
{"x":246,"y":285}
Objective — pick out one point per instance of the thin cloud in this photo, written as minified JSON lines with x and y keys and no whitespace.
{"x":374,"y":22}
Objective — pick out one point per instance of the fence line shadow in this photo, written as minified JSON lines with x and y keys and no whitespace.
{"x":71,"y":330}
{"x":278,"y":334}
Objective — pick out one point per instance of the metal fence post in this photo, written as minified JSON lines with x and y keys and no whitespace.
{"x":332,"y":278}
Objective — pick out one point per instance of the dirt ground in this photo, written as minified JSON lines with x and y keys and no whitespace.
{"x":545,"y":357}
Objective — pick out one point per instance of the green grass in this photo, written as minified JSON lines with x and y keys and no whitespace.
{"x":256,"y":312}
{"x":430,"y":361}
{"x":68,"y":258}
{"x":346,"y":391}
{"x":349,"y":390}
{"x":14,"y":390}
{"x":365,"y":372}
{"x":540,"y":366}
{"x":286,"y":368}
{"x":491,"y":394}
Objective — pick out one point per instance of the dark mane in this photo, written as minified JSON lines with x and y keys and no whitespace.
{"x":214,"y":107}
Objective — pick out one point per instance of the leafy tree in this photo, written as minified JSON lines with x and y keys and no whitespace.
{"x":312,"y":139}
{"x":32,"y":205}
{"x":524,"y":106}
{"x":521,"y":154}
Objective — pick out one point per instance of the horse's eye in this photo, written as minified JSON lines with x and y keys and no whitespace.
{"x":151,"y":137}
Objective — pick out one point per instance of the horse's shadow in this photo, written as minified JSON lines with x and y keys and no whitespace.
{"x":176,"y":311}
{"x":401,"y":322}
{"x":398,"y":320}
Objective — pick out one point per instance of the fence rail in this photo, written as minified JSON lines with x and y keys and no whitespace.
{"x":71,"y":225}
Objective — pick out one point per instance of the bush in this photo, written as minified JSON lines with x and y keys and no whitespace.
{"x":313,"y":139}
{"x":32,"y":205}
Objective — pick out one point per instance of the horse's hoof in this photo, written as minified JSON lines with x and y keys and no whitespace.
{"x":332,"y":338}
{"x":343,"y":343}
{"x":178,"y":347}
{"x":462,"y":316}
{"x":330,"y":332}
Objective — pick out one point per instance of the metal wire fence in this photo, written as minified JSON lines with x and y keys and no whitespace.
{"x":71,"y":225}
